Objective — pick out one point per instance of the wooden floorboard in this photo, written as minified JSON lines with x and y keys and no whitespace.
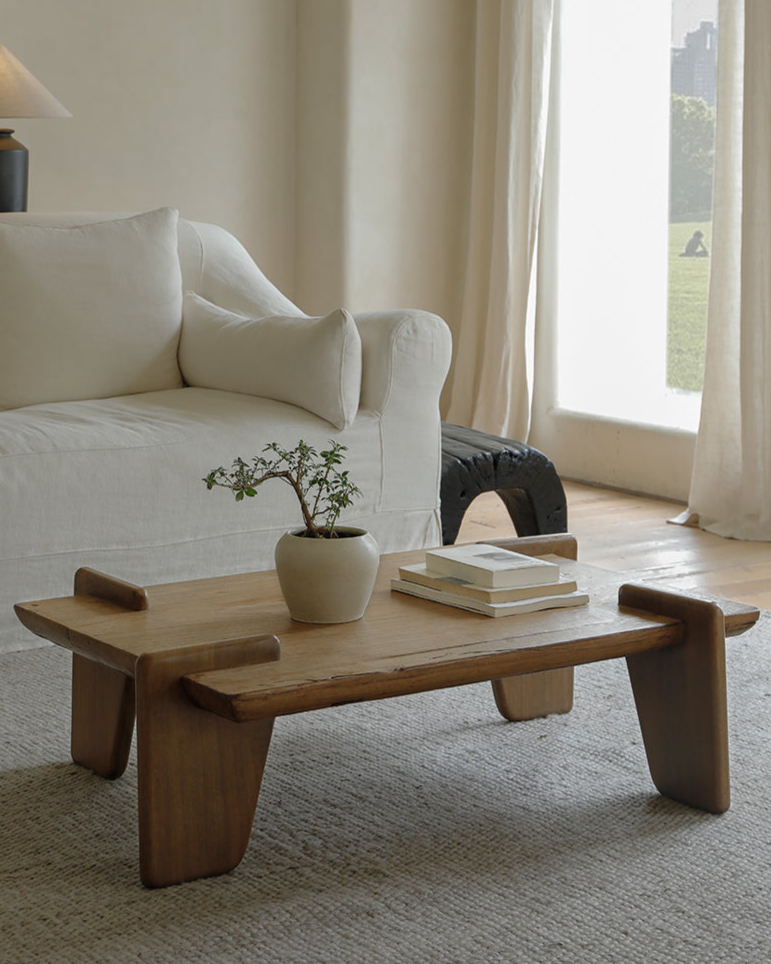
{"x":631,"y":532}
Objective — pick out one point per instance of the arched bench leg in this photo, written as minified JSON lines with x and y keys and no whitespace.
{"x":526,"y":481}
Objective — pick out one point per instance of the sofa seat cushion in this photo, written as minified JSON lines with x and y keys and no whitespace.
{"x":311,"y":362}
{"x":89,"y":311}
{"x":128,"y":472}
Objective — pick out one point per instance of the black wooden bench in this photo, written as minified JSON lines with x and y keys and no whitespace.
{"x":526,"y":481}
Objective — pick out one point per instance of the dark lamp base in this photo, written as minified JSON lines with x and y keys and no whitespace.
{"x":14,"y":173}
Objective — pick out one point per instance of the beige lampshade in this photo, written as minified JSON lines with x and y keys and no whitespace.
{"x":21,"y":95}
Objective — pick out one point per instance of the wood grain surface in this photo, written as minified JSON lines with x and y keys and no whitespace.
{"x":199,"y":776}
{"x":680,"y":694}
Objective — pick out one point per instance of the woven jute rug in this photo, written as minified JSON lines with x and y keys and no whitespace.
{"x":420,"y":829}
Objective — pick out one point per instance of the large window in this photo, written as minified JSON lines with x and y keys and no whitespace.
{"x":691,"y":157}
{"x":635,"y":184}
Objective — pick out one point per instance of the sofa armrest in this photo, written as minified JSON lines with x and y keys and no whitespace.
{"x":405,"y":353}
{"x":405,"y":360}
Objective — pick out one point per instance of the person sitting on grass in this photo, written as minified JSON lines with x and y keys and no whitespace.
{"x":695,"y":247}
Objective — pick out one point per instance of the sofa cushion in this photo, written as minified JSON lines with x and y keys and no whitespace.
{"x":314,"y":363}
{"x":89,"y":311}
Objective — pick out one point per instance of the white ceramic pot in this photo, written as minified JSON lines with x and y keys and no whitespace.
{"x":327,"y":580}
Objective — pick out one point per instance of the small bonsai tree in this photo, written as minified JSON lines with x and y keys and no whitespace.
{"x":322,"y":490}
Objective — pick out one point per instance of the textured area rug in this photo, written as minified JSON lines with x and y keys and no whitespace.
{"x":420,"y":829}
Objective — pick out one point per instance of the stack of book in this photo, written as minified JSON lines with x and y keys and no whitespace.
{"x":489,"y":580}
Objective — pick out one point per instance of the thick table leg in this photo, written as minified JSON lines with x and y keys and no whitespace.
{"x":680,"y":694}
{"x":532,"y":695}
{"x":199,"y":774}
{"x":102,"y":717}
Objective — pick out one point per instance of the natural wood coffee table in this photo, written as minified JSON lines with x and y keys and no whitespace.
{"x":207,"y":665}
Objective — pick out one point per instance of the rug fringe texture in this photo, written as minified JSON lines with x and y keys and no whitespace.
{"x":421,"y":829}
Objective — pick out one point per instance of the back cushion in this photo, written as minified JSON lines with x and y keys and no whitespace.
{"x":90,"y":311}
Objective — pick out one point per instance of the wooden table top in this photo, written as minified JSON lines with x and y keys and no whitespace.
{"x":411,"y":643}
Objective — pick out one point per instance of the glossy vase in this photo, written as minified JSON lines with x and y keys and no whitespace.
{"x":327,"y":580}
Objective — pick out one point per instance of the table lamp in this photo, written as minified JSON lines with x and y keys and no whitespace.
{"x":21,"y":95}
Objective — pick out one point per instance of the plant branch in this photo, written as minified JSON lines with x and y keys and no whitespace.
{"x":313,"y":477}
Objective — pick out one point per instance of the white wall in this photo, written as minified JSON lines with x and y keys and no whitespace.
{"x":412,"y":75}
{"x":383,"y":185}
{"x":174,"y":102}
{"x":323,"y":126}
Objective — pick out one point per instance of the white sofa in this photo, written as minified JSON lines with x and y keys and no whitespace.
{"x":104,"y":444}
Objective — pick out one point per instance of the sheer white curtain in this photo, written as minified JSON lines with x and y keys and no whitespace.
{"x":731,"y":484}
{"x":493,"y":370}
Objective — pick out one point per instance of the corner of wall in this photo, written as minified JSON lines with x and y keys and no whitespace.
{"x":323,"y":131}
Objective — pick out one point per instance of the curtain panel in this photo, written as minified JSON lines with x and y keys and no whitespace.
{"x":731,"y":483}
{"x":492,"y":381}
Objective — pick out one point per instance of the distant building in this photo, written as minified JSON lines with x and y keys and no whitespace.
{"x":694,"y":66}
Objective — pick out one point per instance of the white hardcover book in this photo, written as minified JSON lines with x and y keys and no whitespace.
{"x":421,"y":574}
{"x":492,"y":567}
{"x":522,"y":606}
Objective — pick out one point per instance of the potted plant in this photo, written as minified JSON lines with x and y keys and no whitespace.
{"x":326,"y":571}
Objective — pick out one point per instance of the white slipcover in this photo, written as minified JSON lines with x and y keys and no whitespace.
{"x":116,"y":483}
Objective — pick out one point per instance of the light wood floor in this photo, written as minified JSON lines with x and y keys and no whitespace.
{"x":628,"y":532}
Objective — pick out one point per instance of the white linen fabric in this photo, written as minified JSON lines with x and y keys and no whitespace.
{"x":116,"y":483}
{"x":731,"y":479}
{"x":311,"y":362}
{"x":89,"y":311}
{"x":492,"y":379}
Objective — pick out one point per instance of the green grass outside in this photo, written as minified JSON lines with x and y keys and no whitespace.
{"x":687,"y":311}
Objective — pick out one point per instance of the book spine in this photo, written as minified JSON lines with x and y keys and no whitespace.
{"x":524,"y":606}
{"x":505,"y":594}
